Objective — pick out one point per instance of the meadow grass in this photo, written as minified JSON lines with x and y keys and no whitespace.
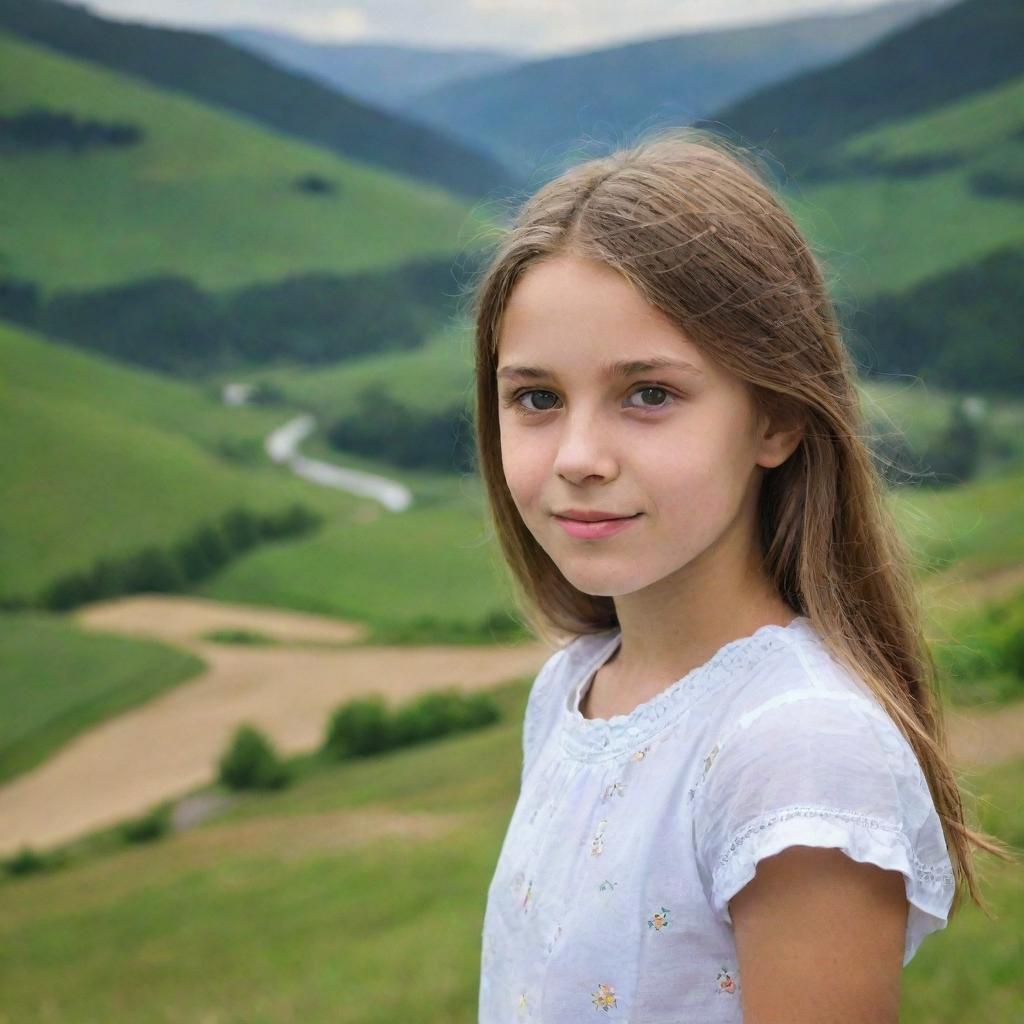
{"x":886,"y":234}
{"x":101,"y":459}
{"x":206,"y":194}
{"x":57,"y":680}
{"x":246,"y":919}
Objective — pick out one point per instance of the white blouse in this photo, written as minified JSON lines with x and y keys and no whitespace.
{"x":631,"y":834}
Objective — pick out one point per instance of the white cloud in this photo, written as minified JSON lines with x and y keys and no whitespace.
{"x":341,"y":23}
{"x":529,"y":26}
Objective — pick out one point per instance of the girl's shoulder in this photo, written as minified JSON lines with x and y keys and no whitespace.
{"x":796,"y":665}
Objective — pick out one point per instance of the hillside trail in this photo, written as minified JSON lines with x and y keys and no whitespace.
{"x":170,"y":745}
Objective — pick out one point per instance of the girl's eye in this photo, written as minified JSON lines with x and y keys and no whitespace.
{"x":643,"y":389}
{"x":648,"y":389}
{"x":526,"y":409}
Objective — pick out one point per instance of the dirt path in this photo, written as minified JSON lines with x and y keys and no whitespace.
{"x":171,"y":744}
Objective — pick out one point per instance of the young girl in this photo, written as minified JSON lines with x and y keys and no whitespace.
{"x":736,"y":803}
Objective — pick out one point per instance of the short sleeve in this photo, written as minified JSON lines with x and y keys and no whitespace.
{"x":824,"y":769}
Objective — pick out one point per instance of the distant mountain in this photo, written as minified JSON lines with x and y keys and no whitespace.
{"x":386,"y":76}
{"x":214,"y":71}
{"x":538,"y":115}
{"x":968,"y":48}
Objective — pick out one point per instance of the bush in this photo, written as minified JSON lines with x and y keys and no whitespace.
{"x":206,"y":550}
{"x":364,"y":726}
{"x":440,"y":713}
{"x":989,"y":652}
{"x":26,"y":862}
{"x":251,"y":762}
{"x":359,"y":728}
{"x":150,"y":826}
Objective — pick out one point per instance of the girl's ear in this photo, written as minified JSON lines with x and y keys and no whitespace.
{"x":778,"y":438}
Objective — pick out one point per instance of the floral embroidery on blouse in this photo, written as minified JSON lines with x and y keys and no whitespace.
{"x":604,"y":998}
{"x":614,"y":789}
{"x":554,"y":939}
{"x":726,"y":981}
{"x":522,"y":1008}
{"x":709,"y":760}
{"x":607,"y":886}
{"x":529,"y":894}
{"x":659,"y":920}
{"x":641,"y":754}
{"x":597,"y":846}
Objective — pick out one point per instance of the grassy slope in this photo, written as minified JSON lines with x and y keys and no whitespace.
{"x":100,"y":459}
{"x":56,"y":681}
{"x":147,"y":462}
{"x":431,"y":378}
{"x":206,"y":194}
{"x":887,"y":234}
{"x":267,"y":924}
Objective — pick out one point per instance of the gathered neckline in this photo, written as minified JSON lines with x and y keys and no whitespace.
{"x":598,"y":739}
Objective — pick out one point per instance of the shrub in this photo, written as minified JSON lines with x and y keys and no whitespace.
{"x":439,"y":713}
{"x":359,"y":728}
{"x":25,"y":862}
{"x":150,"y":826}
{"x":365,"y":726}
{"x":251,"y":762}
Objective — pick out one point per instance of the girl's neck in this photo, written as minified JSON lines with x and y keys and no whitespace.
{"x":663,"y":640}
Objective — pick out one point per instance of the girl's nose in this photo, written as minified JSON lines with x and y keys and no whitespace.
{"x":585,"y":449}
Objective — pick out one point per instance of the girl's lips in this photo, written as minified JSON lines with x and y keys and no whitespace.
{"x":594,"y":531}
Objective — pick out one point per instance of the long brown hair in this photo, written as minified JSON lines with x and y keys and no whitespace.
{"x":688,"y":218}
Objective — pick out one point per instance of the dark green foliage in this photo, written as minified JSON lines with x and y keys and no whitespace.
{"x":169,"y":324}
{"x":39,"y":128}
{"x":951,"y":458}
{"x":213,"y":71}
{"x":164,"y":323}
{"x":315,"y":185}
{"x":365,"y":726}
{"x":359,"y":728}
{"x":251,"y":762}
{"x":976,"y":43}
{"x":19,"y":300}
{"x":1004,"y":184}
{"x":961,"y":330}
{"x":152,"y":825}
{"x":384,"y":428}
{"x":437,"y":714}
{"x":829,"y":168}
{"x":493,"y":628}
{"x":153,"y":569}
{"x":242,"y":529}
{"x":988,"y":652}
{"x":27,"y":862}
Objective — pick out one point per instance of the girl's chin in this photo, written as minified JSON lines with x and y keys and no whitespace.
{"x":601,"y":584}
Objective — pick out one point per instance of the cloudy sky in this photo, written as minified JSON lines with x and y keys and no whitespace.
{"x":527,"y":26}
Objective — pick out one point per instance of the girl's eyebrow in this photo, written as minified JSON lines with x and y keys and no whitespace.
{"x":623,"y":368}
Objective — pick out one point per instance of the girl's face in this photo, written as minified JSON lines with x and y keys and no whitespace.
{"x":678,"y":447}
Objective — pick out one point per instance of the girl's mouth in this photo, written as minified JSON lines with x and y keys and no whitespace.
{"x":596,"y":530}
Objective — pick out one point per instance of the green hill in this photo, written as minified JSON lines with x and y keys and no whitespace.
{"x":102,"y":460}
{"x":216,"y":73}
{"x":970,"y":47}
{"x":204,"y":194}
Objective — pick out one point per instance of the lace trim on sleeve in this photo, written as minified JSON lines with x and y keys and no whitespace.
{"x":938,"y":876}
